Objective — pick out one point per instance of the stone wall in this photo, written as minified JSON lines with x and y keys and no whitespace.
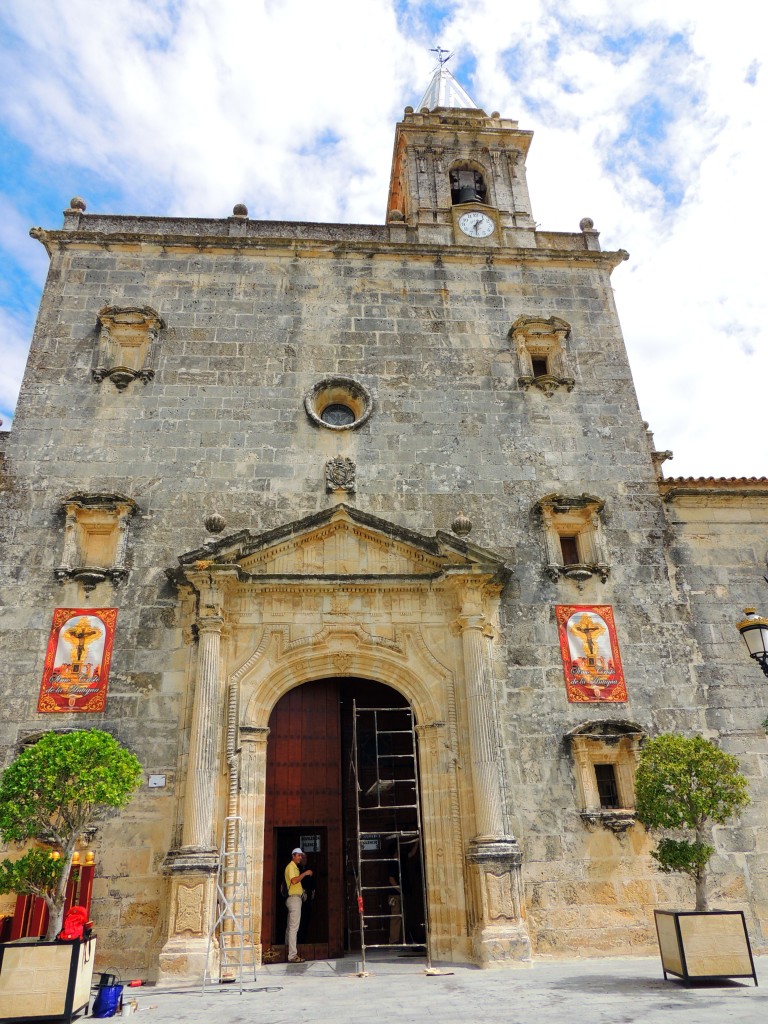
{"x":251,"y":326}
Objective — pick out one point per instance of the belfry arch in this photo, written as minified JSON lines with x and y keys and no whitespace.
{"x":343,"y":594}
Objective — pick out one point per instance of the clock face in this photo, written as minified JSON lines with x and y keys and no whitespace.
{"x":476,"y":224}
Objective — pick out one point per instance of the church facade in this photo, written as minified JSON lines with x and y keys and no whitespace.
{"x":289,"y":472}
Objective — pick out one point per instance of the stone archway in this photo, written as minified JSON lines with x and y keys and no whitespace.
{"x":407,"y":666}
{"x":343,"y":593}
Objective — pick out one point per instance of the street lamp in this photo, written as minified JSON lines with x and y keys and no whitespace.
{"x":754,"y":629}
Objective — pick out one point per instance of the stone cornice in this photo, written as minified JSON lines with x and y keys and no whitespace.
{"x":711,"y":487}
{"x":330,"y":241}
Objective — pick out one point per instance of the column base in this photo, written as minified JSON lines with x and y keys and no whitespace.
{"x":182,"y":962}
{"x":496,"y":946}
{"x":192,"y":895}
{"x":500,"y":936}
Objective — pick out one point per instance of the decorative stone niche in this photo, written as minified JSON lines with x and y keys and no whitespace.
{"x":541,"y":353}
{"x":95,"y":538}
{"x":128,"y":341}
{"x":573,"y":536}
{"x":605,"y":757}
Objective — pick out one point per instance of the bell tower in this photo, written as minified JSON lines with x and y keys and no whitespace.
{"x":458,"y":175}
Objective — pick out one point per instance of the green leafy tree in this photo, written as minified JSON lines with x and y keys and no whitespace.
{"x":51,"y":793}
{"x":687,"y":783}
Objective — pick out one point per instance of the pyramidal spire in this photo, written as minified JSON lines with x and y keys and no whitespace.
{"x":444,"y":90}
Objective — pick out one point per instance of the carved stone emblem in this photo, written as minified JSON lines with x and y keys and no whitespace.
{"x":189,"y":909}
{"x":340,"y":474}
{"x":500,"y":897}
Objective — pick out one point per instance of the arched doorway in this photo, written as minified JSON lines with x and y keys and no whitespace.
{"x":341,"y":783}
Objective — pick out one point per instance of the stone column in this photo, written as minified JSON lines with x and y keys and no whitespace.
{"x":442,"y":844}
{"x":483,"y":742}
{"x":253,"y":787}
{"x":192,"y":868}
{"x":499,"y":935}
{"x":203,"y":760}
{"x":124,"y":515}
{"x":69,"y":555}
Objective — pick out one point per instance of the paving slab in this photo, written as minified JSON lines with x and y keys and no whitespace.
{"x":397,"y":991}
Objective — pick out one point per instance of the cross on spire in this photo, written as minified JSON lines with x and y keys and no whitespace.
{"x":439,"y":51}
{"x":444,"y":90}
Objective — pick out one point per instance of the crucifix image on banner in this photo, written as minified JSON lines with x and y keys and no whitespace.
{"x":590,"y":651}
{"x":77,"y":661}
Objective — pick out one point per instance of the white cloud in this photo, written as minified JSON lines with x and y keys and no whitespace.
{"x":15,"y":335}
{"x":188,"y":107}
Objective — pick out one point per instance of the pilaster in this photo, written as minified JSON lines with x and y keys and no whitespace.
{"x":193,"y":867}
{"x":499,"y":935}
{"x":253,"y":788}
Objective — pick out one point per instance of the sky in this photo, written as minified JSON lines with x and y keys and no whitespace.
{"x":645,"y":114}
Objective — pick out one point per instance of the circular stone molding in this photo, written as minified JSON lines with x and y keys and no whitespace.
{"x":338,"y":403}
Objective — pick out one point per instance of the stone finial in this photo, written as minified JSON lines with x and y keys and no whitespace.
{"x":239,"y":210}
{"x":461,"y":525}
{"x":495,"y":114}
{"x":214,"y":523}
{"x":76,"y":203}
{"x":409,"y":110}
{"x":587,"y":224}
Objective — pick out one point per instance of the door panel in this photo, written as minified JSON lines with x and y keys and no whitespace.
{"x":304,"y":799}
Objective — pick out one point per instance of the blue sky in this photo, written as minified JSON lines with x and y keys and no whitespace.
{"x":645,"y":115}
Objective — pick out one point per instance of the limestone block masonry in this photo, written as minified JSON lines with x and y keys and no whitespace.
{"x":361,"y":577}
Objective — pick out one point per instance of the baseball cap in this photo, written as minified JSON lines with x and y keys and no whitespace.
{"x":297,"y":850}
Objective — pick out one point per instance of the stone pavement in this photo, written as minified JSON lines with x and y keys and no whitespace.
{"x":604,"y":991}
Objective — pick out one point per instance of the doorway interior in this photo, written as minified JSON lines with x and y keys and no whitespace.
{"x":342,"y":785}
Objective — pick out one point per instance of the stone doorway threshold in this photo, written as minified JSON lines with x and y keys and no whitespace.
{"x":378,"y":961}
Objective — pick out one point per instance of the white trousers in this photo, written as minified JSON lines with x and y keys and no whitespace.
{"x":293,"y":903}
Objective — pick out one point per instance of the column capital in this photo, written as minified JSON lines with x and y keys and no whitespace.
{"x":427,"y":727}
{"x":254,"y":734}
{"x":211,"y":581}
{"x":474,"y":621}
{"x":210,"y":623}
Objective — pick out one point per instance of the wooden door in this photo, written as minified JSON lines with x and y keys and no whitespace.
{"x":303,"y":799}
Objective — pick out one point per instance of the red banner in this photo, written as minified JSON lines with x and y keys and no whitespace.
{"x":590,"y":651}
{"x":77,"y":661}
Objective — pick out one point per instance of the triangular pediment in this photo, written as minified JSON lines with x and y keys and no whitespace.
{"x":342,"y":542}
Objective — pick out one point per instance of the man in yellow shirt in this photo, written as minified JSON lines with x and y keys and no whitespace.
{"x":293,"y":901}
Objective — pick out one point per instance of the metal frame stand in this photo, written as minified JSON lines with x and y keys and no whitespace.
{"x":232,"y":924}
{"x":388,"y":819}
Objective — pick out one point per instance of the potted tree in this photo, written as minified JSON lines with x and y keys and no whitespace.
{"x":56,"y":789}
{"x":685,"y":784}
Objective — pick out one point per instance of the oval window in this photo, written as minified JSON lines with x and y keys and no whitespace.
{"x":337,"y":415}
{"x":338,"y":403}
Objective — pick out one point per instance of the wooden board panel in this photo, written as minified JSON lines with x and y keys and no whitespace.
{"x":35,"y":979}
{"x":669,"y":946}
{"x":304,"y":794}
{"x":715,"y":945}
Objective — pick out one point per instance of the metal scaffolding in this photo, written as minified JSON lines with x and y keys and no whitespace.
{"x":390,"y":880}
{"x":232,"y":926}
